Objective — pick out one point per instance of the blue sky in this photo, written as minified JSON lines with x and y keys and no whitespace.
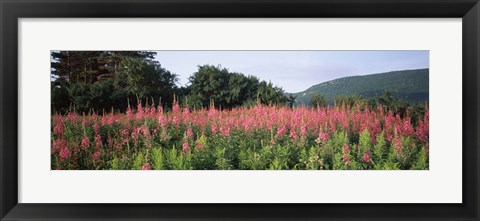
{"x":294,"y":71}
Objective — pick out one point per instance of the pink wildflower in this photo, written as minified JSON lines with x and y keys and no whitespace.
{"x":272,"y":142}
{"x":346,"y":148}
{"x":422,"y":129}
{"x":64,"y":154}
{"x":212,"y":113}
{"x":98,"y":140}
{"x":248,"y":124}
{"x":175,"y":120}
{"x":199,"y":145}
{"x":185,"y":115}
{"x":72,"y":116}
{"x":366,"y":157}
{"x":398,"y":145}
{"x":58,"y":145}
{"x":104,"y":121}
{"x":96,"y":155}
{"x":407,"y":127}
{"x":85,"y":142}
{"x":84,"y":121}
{"x":185,"y":147}
{"x":214,"y":128}
{"x":58,"y":129}
{"x":322,"y":138}
{"x":129,"y":113}
{"x":111,"y":119}
{"x":225,"y":131}
{"x":189,"y":132}
{"x":146,"y":167}
{"x":281,"y":130}
{"x":162,"y":120}
{"x":96,"y":128}
{"x":152,"y":112}
{"x":176,"y":108}
{"x":140,"y":111}
{"x":293,"y":134}
{"x":303,"y":130}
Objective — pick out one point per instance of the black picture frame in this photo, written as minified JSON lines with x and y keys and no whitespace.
{"x":12,"y":10}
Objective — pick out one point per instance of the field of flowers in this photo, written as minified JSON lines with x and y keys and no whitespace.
{"x":255,"y":138}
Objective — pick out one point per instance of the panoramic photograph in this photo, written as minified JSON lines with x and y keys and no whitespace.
{"x":239,"y":110}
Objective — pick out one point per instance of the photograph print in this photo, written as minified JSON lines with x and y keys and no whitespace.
{"x":239,"y":110}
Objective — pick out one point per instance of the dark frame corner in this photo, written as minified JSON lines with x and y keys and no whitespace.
{"x":11,"y":10}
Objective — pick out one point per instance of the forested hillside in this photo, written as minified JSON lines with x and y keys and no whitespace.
{"x":411,"y":85}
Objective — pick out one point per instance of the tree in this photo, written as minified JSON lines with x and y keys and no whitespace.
{"x":270,"y":94}
{"x":317,"y":101}
{"x":89,"y":66}
{"x":349,"y":101}
{"x":107,"y":79}
{"x":60,"y":99}
{"x":242,"y":88}
{"x":210,"y":83}
{"x":291,"y":100}
{"x":229,"y":89}
{"x":73,"y":66}
{"x":145,"y":79}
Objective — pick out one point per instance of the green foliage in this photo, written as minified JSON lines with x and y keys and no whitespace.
{"x":317,"y":100}
{"x":210,"y":83}
{"x":157,"y":159}
{"x":138,"y":79}
{"x":291,"y":100}
{"x":387,"y":165}
{"x":88,"y":66}
{"x":269,"y":94}
{"x":176,"y":160}
{"x":228,"y":89}
{"x":251,"y":159}
{"x":349,"y":101}
{"x":102,"y":80}
{"x":60,"y":100}
{"x":115,"y":163}
{"x":138,"y":162}
{"x":314,"y":161}
{"x":101,"y":95}
{"x":144,"y":79}
{"x":331,"y":154}
{"x":380,"y":147}
{"x":222,"y":161}
{"x":364,"y":143}
{"x":281,"y":156}
{"x":303,"y":159}
{"x":237,"y":151}
{"x":422,"y":160}
{"x":80,"y":96}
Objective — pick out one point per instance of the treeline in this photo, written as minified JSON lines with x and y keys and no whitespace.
{"x":85,"y":81}
{"x":388,"y":101}
{"x":105,"y":80}
{"x":214,"y":85}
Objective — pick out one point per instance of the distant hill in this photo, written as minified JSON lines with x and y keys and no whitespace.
{"x":411,"y":85}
